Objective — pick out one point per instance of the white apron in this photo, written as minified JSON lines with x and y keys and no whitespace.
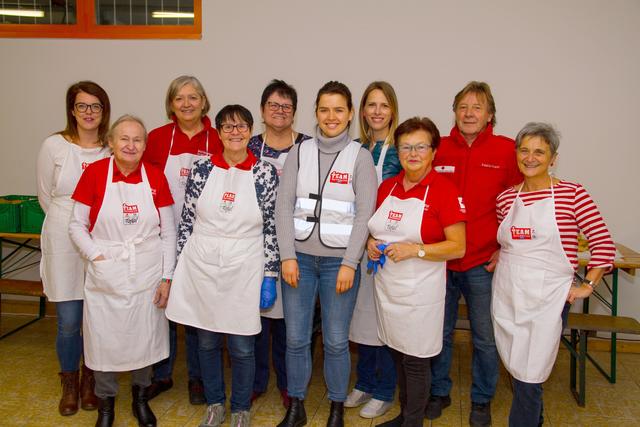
{"x":409,"y":295}
{"x":122,"y":329}
{"x":364,"y":327}
{"x":216,"y":284}
{"x":530,"y":287}
{"x":277,"y":311}
{"x":177,"y":170}
{"x":61,"y":265}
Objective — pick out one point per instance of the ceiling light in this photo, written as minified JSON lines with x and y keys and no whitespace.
{"x":163,"y":14}
{"x":22,"y":12}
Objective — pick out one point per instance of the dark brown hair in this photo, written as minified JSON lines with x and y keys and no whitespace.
{"x":415,"y":124}
{"x":71,"y":131}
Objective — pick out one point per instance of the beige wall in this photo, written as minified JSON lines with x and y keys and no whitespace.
{"x":571,"y":62}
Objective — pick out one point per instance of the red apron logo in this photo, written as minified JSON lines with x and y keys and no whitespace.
{"x":85,"y":165}
{"x":185,"y":171}
{"x":228,"y":199}
{"x":393,"y":220}
{"x":130,"y":214}
{"x":339,"y":177}
{"x":518,"y":233}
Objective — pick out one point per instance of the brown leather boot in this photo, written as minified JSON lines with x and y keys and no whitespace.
{"x":69,"y":400}
{"x":88,"y":399}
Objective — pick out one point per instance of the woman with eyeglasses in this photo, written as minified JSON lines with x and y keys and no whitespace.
{"x":325,"y":199}
{"x":375,"y":373}
{"x":278,"y":107}
{"x":62,"y":159}
{"x":227,"y":262}
{"x":173,"y":148}
{"x":417,"y":227}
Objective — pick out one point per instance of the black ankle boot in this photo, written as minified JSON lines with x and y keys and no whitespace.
{"x":140,"y":407}
{"x":106,"y":413}
{"x":296,"y":415}
{"x":396,"y":422}
{"x":336,"y":416}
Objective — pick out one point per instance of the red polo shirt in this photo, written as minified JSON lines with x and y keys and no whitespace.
{"x":93,"y":183}
{"x":159,"y":141}
{"x":441,"y":210}
{"x":481,"y":172}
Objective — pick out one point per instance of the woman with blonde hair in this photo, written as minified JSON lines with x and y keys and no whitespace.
{"x":376,"y":375}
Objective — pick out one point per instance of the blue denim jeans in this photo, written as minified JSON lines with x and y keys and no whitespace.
{"x":68,"y":338}
{"x":318,"y":278}
{"x":242,"y":368}
{"x":475,"y":285}
{"x":274,"y":332}
{"x":527,"y":407}
{"x":376,"y":371}
{"x":163,"y":370}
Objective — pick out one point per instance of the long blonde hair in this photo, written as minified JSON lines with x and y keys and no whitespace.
{"x":390,"y":94}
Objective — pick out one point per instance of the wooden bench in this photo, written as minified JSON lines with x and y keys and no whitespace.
{"x":581,"y":324}
{"x":31,"y":288}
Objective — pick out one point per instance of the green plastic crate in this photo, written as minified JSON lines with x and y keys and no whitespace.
{"x":31,"y":216}
{"x":11,"y":212}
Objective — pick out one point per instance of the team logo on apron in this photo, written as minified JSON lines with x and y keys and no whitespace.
{"x":184,"y":174}
{"x":393,"y":220}
{"x":130,"y":214}
{"x":522,"y":233}
{"x":228,"y":200}
{"x":339,"y":177}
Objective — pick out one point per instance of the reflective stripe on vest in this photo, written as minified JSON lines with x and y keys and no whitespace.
{"x":336,"y":197}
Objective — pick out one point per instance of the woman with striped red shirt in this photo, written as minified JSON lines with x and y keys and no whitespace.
{"x":533,"y":285}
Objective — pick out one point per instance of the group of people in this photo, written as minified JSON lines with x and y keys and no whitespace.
{"x":238,"y":236}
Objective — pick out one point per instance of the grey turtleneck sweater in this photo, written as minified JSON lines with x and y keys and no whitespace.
{"x":364,"y":186}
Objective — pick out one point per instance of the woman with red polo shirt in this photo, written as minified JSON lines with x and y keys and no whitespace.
{"x":173,"y":148}
{"x":123,"y":224}
{"x":418,"y":226}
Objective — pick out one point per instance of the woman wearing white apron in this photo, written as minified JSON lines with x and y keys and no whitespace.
{"x":422,"y":222}
{"x":61,"y":160}
{"x":534,"y":274}
{"x":173,"y":148}
{"x":375,"y":372}
{"x":228,"y":262}
{"x":325,"y":198}
{"x":123,"y":224}
{"x":278,"y":107}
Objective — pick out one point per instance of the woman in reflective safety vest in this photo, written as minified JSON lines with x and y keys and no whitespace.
{"x":326,"y":196}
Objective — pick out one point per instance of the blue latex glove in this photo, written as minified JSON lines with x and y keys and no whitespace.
{"x":373,"y":265}
{"x":268,"y":292}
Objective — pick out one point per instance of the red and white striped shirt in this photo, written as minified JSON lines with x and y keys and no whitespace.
{"x":575,"y":211}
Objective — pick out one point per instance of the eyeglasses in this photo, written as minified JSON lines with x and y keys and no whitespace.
{"x":81,"y":107}
{"x":274,"y":106}
{"x":408,"y":148}
{"x":228,"y":127}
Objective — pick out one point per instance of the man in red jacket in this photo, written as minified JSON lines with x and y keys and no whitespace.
{"x":482,"y":165}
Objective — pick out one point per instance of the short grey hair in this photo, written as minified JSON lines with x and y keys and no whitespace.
{"x":126,"y":118}
{"x":543,"y":130}
{"x":177,"y":84}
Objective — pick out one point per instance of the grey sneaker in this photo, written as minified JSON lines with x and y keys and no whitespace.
{"x":214,"y":416}
{"x":240,"y":419}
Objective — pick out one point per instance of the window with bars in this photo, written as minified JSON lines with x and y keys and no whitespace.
{"x":101,"y":18}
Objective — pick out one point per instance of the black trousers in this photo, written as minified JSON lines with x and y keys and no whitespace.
{"x":414,"y":382}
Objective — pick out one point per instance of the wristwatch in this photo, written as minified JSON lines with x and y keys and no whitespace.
{"x":421,"y":251}
{"x":589,"y":283}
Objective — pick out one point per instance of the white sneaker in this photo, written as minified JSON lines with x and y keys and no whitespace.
{"x":375,"y":408}
{"x":213,"y":416}
{"x":356,"y":398}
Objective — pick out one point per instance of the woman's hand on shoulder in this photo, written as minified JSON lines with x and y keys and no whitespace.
{"x":290,"y":272}
{"x":344,"y":280}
